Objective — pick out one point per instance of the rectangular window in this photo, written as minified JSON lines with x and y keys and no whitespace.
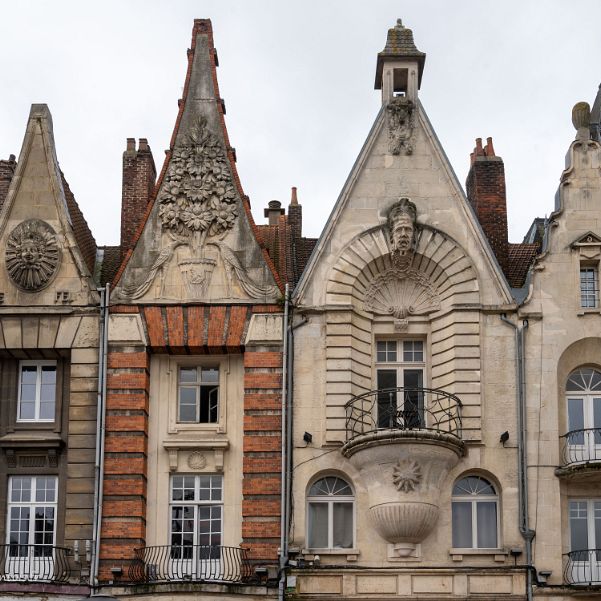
{"x":400,"y":368}
{"x":196,"y":526}
{"x":198,"y":395}
{"x":37,"y":391}
{"x":589,"y":287}
{"x":31,"y":527}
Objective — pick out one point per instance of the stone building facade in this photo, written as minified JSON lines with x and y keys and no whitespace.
{"x":408,"y":407}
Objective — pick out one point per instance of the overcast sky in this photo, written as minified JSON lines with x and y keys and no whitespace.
{"x":297,"y":79}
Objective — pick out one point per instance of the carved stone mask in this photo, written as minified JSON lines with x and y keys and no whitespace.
{"x":401,"y":225}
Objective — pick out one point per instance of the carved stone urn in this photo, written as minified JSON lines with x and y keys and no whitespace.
{"x":403,"y":472}
{"x":197,"y":273}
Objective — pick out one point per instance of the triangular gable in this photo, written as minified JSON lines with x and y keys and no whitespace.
{"x":474,"y":230}
{"x":43,"y":262}
{"x":198,"y":241}
{"x":588,"y":239}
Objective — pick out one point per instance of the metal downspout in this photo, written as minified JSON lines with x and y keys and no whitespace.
{"x":522,"y":425}
{"x":284,"y":484}
{"x":100,"y":428}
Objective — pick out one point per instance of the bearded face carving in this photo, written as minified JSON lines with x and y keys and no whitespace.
{"x":401,"y":227}
{"x":32,"y":255}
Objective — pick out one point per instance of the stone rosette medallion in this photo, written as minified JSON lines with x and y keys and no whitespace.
{"x":32,"y":255}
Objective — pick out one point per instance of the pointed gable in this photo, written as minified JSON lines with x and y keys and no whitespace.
{"x":47,"y":247}
{"x":198,"y":241}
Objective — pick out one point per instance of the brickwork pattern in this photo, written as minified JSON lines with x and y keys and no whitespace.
{"x":261,"y":486}
{"x":126,"y":451}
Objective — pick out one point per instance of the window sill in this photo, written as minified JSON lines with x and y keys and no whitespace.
{"x":351,"y":554}
{"x":500,"y":555}
{"x":591,"y":311}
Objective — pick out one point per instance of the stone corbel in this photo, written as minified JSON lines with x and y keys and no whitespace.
{"x":172,"y":460}
{"x":216,"y":444}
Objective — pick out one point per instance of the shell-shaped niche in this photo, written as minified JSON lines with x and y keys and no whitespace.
{"x":401,"y":293}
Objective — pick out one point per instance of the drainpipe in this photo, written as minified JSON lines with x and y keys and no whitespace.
{"x":285,"y":436}
{"x":522,"y":425}
{"x":100,"y":428}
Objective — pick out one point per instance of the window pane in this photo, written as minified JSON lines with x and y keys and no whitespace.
{"x":47,"y":410}
{"x":462,"y":525}
{"x":387,"y":401}
{"x":27,"y":410}
{"x":29,"y":374}
{"x":318,"y":525}
{"x":578,"y":526}
{"x":208,"y":404}
{"x":343,"y":525}
{"x":486,"y":518}
{"x":48,"y":374}
{"x":381,"y":351}
{"x":588,"y":287}
{"x":210,"y":375}
{"x":575,"y":421}
{"x":187,"y":404}
{"x":21,"y":489}
{"x":413,"y":406}
{"x":187,"y":374}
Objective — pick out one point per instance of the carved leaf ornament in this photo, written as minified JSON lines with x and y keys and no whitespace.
{"x":32,"y":255}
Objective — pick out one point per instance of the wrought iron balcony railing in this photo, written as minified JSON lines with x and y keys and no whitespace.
{"x":190,"y":563}
{"x":581,"y":446}
{"x":34,"y":563}
{"x":583,"y":568}
{"x":403,"y":409}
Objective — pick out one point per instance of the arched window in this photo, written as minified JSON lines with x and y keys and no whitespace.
{"x":330,"y":514}
{"x":583,"y":395}
{"x":475,"y":506}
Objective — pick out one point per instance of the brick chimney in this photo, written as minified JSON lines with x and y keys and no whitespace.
{"x":485,"y":186}
{"x":7,"y":170}
{"x":295,"y":216}
{"x":139,"y":176}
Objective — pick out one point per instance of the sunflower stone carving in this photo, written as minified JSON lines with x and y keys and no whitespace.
{"x":198,"y":198}
{"x":406,"y":475}
{"x":32,"y":255}
{"x":400,"y":113}
{"x":197,"y":208}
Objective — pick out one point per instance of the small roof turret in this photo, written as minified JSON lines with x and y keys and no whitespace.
{"x":399,"y":46}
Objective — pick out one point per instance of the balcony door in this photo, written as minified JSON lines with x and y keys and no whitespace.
{"x":196,"y":527}
{"x":400,"y":378}
{"x":583,"y":395}
{"x":31,"y":528}
{"x":585,"y":541}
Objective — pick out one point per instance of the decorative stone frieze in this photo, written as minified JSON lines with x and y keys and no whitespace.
{"x":400,"y":115}
{"x":32,"y":255}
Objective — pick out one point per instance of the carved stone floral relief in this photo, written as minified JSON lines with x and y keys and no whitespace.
{"x":402,"y":290}
{"x":198,"y":207}
{"x":406,"y":475}
{"x":32,"y":255}
{"x":400,"y":116}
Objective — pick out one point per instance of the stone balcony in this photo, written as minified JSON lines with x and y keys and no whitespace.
{"x":404,"y":442}
{"x":581,"y":456}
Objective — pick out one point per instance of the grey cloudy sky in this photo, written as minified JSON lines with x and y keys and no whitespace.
{"x":297,"y":79}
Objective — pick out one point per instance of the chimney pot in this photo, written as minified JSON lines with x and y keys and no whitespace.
{"x":273,"y":211}
{"x":131,"y":145}
{"x":294,"y":198}
{"x":143,"y":144}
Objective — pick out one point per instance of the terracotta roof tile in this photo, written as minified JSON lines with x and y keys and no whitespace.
{"x":83,"y":235}
{"x":519,"y":259}
{"x":111,"y":259}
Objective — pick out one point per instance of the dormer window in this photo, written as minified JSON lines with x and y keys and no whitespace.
{"x":589,"y":286}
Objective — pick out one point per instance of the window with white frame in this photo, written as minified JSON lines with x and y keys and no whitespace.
{"x":31,"y":517}
{"x":589,"y":286}
{"x":400,"y":364}
{"x":585,"y":527}
{"x":475,"y":514}
{"x":198,"y":394}
{"x":37,"y":391}
{"x":583,"y":397}
{"x":330,"y":514}
{"x":196,"y":516}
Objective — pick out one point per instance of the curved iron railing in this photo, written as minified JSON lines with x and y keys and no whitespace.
{"x":170,"y":563}
{"x":583,"y":567}
{"x":34,"y":563}
{"x":581,"y":446}
{"x":403,"y":409}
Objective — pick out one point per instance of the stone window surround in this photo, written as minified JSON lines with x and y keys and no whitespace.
{"x":222,"y":362}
